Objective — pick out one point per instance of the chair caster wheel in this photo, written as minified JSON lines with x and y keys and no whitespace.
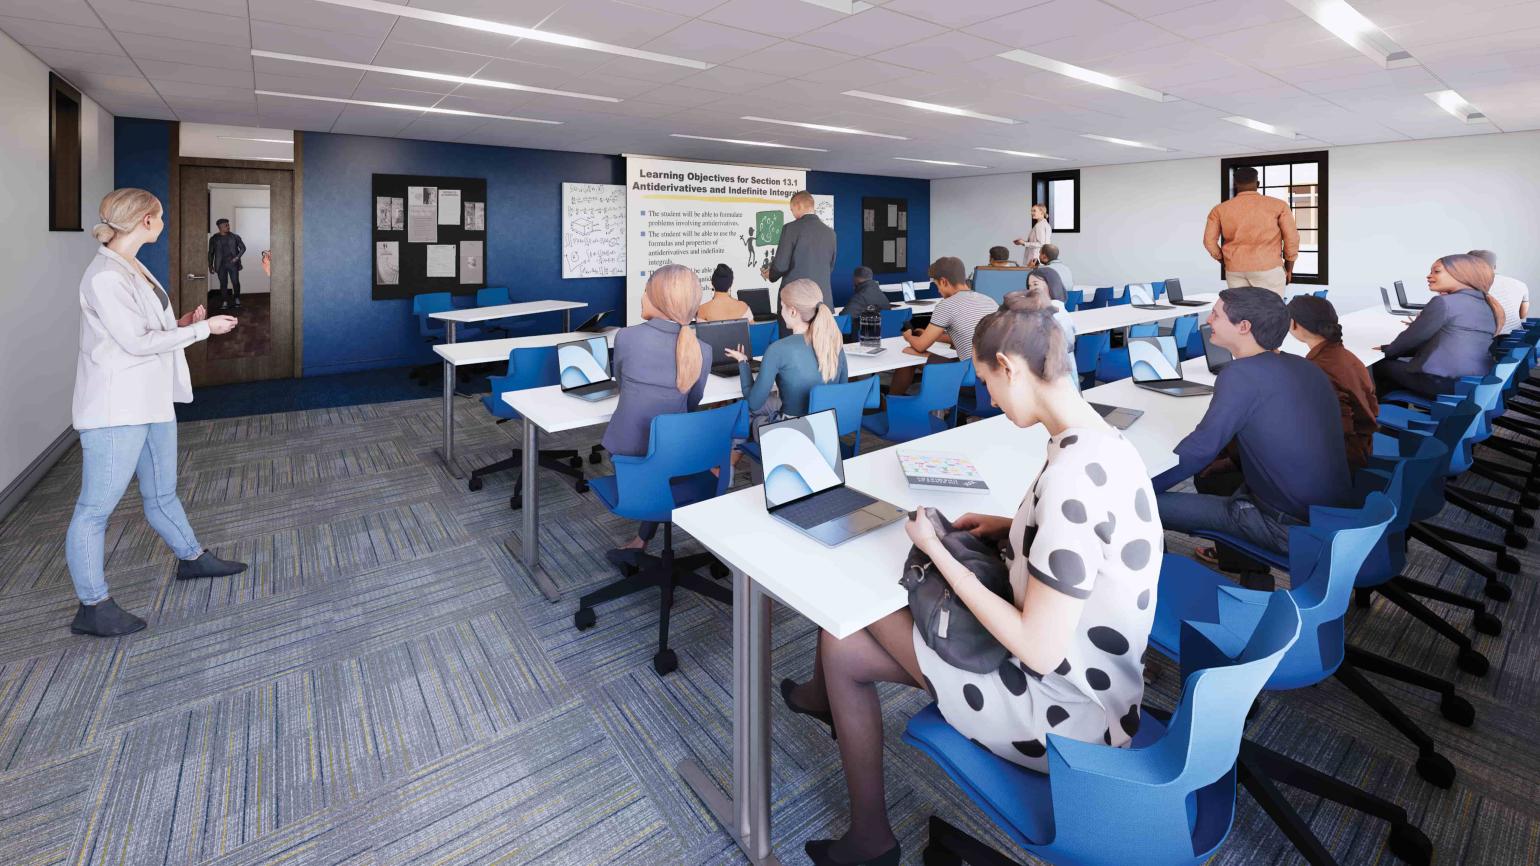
{"x":665,"y":662}
{"x":1524,"y":519}
{"x":1515,"y":540}
{"x":1472,"y":662}
{"x":1436,"y":769}
{"x":1486,"y":623}
{"x":1507,"y":563}
{"x":1498,"y":590}
{"x":1363,"y":597}
{"x":935,"y":855}
{"x":1529,"y":501}
{"x":718,"y":570}
{"x":1410,"y":844}
{"x":580,"y":486}
{"x":1458,"y":710}
{"x":594,"y":459}
{"x":585,"y":618}
{"x":474,"y":484}
{"x":575,"y":462}
{"x":516,"y":502}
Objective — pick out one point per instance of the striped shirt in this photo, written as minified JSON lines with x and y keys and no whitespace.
{"x":960,"y":315}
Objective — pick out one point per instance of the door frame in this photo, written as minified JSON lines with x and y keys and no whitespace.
{"x":174,"y":212}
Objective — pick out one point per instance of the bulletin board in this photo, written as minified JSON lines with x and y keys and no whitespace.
{"x":430,"y":235}
{"x":885,"y":234}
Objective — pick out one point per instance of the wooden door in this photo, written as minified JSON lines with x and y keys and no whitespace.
{"x":262,"y":345}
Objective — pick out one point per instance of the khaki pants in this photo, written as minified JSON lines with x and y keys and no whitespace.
{"x":1270,"y":279}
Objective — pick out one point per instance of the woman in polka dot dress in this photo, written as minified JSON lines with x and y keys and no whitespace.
{"x":1084,"y":554}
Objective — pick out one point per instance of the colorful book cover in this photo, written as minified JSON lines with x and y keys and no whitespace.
{"x":938,"y":470}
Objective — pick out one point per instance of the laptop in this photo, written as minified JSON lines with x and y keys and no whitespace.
{"x":721,"y":336}
{"x":1401,"y":297}
{"x":919,"y":321}
{"x":1142,"y":297}
{"x":759,"y":304}
{"x":1118,"y":416}
{"x":1216,"y":355}
{"x":912,"y":301}
{"x":805,"y":482}
{"x":585,"y":369}
{"x":1392,"y":308}
{"x":1157,"y":367}
{"x":1174,"y":290}
{"x":594,"y":324}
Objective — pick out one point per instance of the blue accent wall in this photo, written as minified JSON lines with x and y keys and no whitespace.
{"x":848,"y":189}
{"x":142,"y":158}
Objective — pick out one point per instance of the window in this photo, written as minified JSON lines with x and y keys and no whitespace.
{"x":1298,"y":179}
{"x":63,"y":156}
{"x":1060,"y":191}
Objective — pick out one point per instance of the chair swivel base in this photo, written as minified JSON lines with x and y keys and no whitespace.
{"x":666,"y":573}
{"x":567,"y":463}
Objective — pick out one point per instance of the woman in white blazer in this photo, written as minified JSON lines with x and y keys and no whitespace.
{"x":130,"y":372}
{"x":1040,"y":233}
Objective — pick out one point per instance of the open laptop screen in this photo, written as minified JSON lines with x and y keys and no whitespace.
{"x":801,"y":457}
{"x":757,"y":299}
{"x":1140,"y":293}
{"x":1217,"y":355}
{"x":1154,"y":359}
{"x":583,"y":362}
{"x":721,"y":336}
{"x":1174,"y":288}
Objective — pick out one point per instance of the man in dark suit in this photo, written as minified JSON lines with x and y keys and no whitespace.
{"x":806,"y":250}
{"x":225,"y":251}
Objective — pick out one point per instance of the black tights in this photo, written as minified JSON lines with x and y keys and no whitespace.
{"x":845,"y":677}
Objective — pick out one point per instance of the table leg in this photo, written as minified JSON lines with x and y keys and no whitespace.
{"x":449,"y":331}
{"x":746,"y":813}
{"x":448,"y":452}
{"x":531,"y":512}
{"x":566,"y":319}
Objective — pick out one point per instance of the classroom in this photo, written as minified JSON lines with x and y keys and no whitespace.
{"x":767,"y":432}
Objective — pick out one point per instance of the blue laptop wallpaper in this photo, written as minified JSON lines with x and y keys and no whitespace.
{"x":1153,"y":358}
{"x":584,"y":362}
{"x":801,"y":456}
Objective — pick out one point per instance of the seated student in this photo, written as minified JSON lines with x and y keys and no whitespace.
{"x":814,"y":354}
{"x":660,"y":366}
{"x":1083,"y":552}
{"x":722,"y":306}
{"x":952,"y":320}
{"x":999,"y":257}
{"x":1451,"y":337}
{"x":1045,"y":282}
{"x":1281,"y":412}
{"x":1048,"y":257}
{"x":868,"y":293}
{"x":1511,"y":294}
{"x":1315,"y":325}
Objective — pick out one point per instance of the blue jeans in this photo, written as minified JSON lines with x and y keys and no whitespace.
{"x":113,"y":455}
{"x":1237,"y":515}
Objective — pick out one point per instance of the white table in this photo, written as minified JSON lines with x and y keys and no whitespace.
{"x":487,"y":352}
{"x":1124,"y":315}
{"x":452,"y":318}
{"x":548,"y":409}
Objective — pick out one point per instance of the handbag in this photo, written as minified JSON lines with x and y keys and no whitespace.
{"x":945,"y":623}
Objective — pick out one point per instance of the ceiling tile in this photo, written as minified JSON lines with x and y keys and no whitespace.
{"x":448,"y":37}
{"x":59,"y":11}
{"x":289,"y":39}
{"x":730,"y":79}
{"x":409,"y":55}
{"x":174,"y":50}
{"x":523,"y":13}
{"x":632,"y":69}
{"x":1092,"y":49}
{"x":341,"y":86}
{"x":1031,"y":28}
{"x":788,"y":58}
{"x":131,"y":16}
{"x":859,"y":74}
{"x":708,"y":42}
{"x":869,"y":32}
{"x":363,"y":120}
{"x":49,"y":34}
{"x":783,"y":18}
{"x":960,"y":13}
{"x":322,"y":16}
{"x":123,"y":85}
{"x":238,"y":74}
{"x":612,"y":21}
{"x":83,"y":61}
{"x":1223,"y":16}
{"x":942,"y":52}
{"x":129,"y":106}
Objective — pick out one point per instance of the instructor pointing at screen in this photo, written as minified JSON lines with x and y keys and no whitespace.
{"x":806,"y":250}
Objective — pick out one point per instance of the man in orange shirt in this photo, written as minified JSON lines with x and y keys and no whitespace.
{"x":1260,"y":240}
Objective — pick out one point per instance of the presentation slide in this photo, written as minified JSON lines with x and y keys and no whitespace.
{"x":699,"y":214}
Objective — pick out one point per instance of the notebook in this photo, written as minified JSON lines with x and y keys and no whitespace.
{"x":941,"y":471}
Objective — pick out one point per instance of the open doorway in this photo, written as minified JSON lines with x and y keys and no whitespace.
{"x":240,"y":232}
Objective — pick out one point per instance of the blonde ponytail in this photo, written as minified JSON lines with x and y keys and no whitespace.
{"x":823,"y":335}
{"x":675,"y":291}
{"x":121,"y":210}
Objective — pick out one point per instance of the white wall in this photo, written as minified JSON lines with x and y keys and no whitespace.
{"x":1393,"y":209}
{"x":39,"y":286}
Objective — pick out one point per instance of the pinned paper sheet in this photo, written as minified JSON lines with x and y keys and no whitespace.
{"x":422,"y":215}
{"x":470,"y":262}
{"x":903,"y":253}
{"x":892,"y":216}
{"x":441,"y":260}
{"x":889,"y":252}
{"x":448,"y":207}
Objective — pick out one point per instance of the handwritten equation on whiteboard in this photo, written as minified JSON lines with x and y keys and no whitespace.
{"x":593,"y":230}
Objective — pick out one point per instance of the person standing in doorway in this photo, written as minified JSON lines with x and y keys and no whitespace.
{"x":130,"y":372}
{"x":1253,"y":236}
{"x":225,"y":251}
{"x":806,"y":249}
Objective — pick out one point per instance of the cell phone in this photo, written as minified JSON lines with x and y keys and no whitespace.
{"x":877,"y":351}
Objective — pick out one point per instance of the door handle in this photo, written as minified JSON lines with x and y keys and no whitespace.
{"x":197,"y":276}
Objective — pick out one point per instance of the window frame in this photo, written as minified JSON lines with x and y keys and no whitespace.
{"x":1319,"y":157}
{"x":1040,"y":182}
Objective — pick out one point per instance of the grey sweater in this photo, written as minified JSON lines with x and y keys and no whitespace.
{"x":644,"y":366}
{"x":1451,"y":337}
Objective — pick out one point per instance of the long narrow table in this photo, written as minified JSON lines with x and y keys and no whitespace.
{"x":452,"y":318}
{"x":1111,"y":318}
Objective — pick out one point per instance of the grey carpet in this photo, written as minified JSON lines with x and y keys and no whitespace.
{"x":386,"y":685}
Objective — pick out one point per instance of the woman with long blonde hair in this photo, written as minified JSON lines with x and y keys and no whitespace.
{"x":1451,"y":336}
{"x":130,"y":372}
{"x":812,"y":354}
{"x":660,"y":367}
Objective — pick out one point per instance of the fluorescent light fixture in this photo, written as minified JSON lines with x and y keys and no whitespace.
{"x":1125,"y":142}
{"x":929,"y":106}
{"x":400,"y":107}
{"x":513,"y":31}
{"x":1020,"y":153}
{"x":823,"y":128}
{"x":431,"y":76}
{"x":744,"y":141}
{"x":267,"y":158}
{"x":1259,"y":126}
{"x":288,"y":141}
{"x":940,"y":162}
{"x":1349,"y":25}
{"x":844,"y":7}
{"x":1080,"y":73}
{"x":1456,"y":105}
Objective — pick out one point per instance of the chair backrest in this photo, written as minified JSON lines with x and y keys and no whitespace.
{"x":492,"y":296}
{"x":842,"y":322}
{"x":999,"y":282}
{"x":761,"y":335}
{"x":926,"y":292}
{"x":1173,"y":800}
{"x":1113,"y":365}
{"x":1182,"y":329}
{"x":1073,"y":298}
{"x":848,"y":400}
{"x":1101,"y":297}
{"x":680,"y":445}
{"x":431,"y":302}
{"x":1416,"y":464}
{"x":940,"y":384}
{"x":529,"y":367}
{"x":1146,"y":329}
{"x":1089,"y":347}
{"x":893,"y":321}
{"x":1158,"y":287}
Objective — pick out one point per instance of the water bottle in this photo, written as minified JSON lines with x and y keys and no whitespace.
{"x":870,"y":329}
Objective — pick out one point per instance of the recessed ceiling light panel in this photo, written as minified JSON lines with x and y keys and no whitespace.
{"x":1089,"y":76}
{"x":1456,"y":105}
{"x":939,"y":162}
{"x":402,"y":107}
{"x":1024,"y":153}
{"x":1125,"y":142}
{"x":431,"y":76}
{"x":746,"y":142}
{"x":845,"y":130}
{"x":1349,"y":25}
{"x":1259,"y":126}
{"x":928,"y":106}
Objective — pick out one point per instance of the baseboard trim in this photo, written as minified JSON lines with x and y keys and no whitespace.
{"x":35,"y":471}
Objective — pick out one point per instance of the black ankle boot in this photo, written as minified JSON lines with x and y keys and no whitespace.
{"x":105,"y":619}
{"x":818,"y":851}
{"x":207,"y":565}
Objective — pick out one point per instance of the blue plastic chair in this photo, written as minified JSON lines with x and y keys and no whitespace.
{"x":1113,"y":365}
{"x":1319,"y":293}
{"x":1184,"y":329}
{"x":1088,"y":349}
{"x":999,"y":282}
{"x":1101,"y":297}
{"x":533,"y":367}
{"x":761,"y":335}
{"x":979,"y":404}
{"x":1169,"y":798}
{"x":1157,"y":288}
{"x":1144,"y":329}
{"x":843,"y":323}
{"x":893,"y":321}
{"x":848,"y":400}
{"x":1119,"y":300}
{"x":927,"y":292}
{"x":682,"y":449}
{"x":1073,"y":298}
{"x":909,"y":417}
{"x":494,"y":296}
{"x":432,"y":330}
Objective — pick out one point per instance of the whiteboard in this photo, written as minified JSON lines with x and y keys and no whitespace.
{"x":593,"y":230}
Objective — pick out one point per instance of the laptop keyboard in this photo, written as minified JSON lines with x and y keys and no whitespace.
{"x":825,"y":506}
